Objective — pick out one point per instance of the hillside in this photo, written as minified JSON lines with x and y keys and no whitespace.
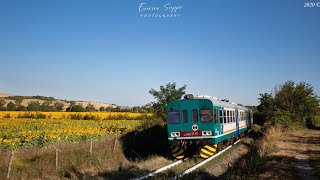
{"x":41,"y":99}
{"x":2,"y":95}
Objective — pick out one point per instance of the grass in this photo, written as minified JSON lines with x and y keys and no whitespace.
{"x":216,"y":167}
{"x":280,"y":154}
{"x":266,"y":144}
{"x":107,"y":160}
{"x":74,"y":160}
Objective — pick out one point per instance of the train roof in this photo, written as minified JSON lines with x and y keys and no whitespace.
{"x":223,"y":103}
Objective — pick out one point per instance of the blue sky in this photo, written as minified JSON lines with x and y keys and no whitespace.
{"x":104,"y":51}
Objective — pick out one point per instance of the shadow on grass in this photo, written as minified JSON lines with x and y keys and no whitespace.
{"x":252,"y":166}
{"x":305,"y":140}
{"x":139,"y":145}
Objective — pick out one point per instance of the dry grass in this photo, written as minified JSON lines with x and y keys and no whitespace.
{"x":266,"y":144}
{"x":75,"y":160}
{"x":290,"y":154}
{"x":153,"y":163}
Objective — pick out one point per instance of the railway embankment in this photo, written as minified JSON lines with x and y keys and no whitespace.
{"x":291,"y":154}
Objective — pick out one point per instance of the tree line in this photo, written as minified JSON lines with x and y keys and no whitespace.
{"x":48,"y":106}
{"x":32,"y":106}
{"x":290,"y":104}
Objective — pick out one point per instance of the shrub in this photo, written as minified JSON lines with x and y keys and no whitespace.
{"x":313,"y":121}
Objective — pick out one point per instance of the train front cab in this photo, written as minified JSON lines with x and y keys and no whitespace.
{"x":192,"y":123}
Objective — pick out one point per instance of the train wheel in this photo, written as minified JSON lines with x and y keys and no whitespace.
{"x":208,"y":150}
{"x":177,"y":152}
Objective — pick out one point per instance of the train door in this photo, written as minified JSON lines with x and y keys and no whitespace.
{"x":237,"y":123}
{"x":189,"y":118}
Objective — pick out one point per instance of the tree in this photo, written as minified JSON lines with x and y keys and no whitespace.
{"x":166,"y":94}
{"x":265,"y":108}
{"x":116,"y":109}
{"x":2,"y":103}
{"x":101,"y":109}
{"x":18,"y":102}
{"x":78,"y":108}
{"x":292,"y":104}
{"x":90,"y":108}
{"x":34,"y":106}
{"x":109,"y":109}
{"x":72,"y":104}
{"x":46,"y":106}
{"x":58,"y":106}
{"x":11,"y":106}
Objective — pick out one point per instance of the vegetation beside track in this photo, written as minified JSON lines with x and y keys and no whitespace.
{"x":280,"y":154}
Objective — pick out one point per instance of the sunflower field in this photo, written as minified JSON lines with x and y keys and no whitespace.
{"x":28,"y":129}
{"x":75,"y":115}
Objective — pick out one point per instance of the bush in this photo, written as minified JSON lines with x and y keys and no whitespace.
{"x":313,"y":121}
{"x":282,"y":117}
{"x":291,"y":104}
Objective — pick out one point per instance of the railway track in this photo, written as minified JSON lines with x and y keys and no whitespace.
{"x":187,"y":171}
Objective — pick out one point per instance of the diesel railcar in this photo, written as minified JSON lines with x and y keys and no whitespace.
{"x":204,"y":125}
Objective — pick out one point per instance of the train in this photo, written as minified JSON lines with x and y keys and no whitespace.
{"x":204,"y":125}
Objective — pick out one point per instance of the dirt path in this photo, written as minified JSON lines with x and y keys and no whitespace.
{"x":295,"y":155}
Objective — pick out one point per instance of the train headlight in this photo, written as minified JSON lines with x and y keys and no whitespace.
{"x":206,"y":133}
{"x":175,"y":134}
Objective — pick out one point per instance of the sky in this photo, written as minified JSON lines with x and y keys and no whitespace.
{"x":111,"y":51}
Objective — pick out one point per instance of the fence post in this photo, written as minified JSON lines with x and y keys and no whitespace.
{"x":10,"y":164}
{"x":115,"y":143}
{"x":90,"y":147}
{"x":57,"y":157}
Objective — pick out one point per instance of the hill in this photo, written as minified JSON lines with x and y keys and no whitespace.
{"x":2,"y":95}
{"x":25,"y":100}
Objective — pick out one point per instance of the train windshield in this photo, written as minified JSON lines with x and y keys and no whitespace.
{"x":173,"y":117}
{"x":206,"y":115}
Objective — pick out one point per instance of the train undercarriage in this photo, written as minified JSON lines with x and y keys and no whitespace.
{"x":199,"y":147}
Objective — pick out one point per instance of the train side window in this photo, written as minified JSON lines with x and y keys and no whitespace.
{"x":224,"y":117}
{"x":206,"y":115}
{"x":194,"y":115}
{"x":231,"y":113}
{"x":173,"y":117}
{"x":228,"y":116}
{"x":233,"y":116}
{"x":215,"y":115}
{"x":242,"y":116}
{"x":221,"y":116}
{"x":185,"y":116}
